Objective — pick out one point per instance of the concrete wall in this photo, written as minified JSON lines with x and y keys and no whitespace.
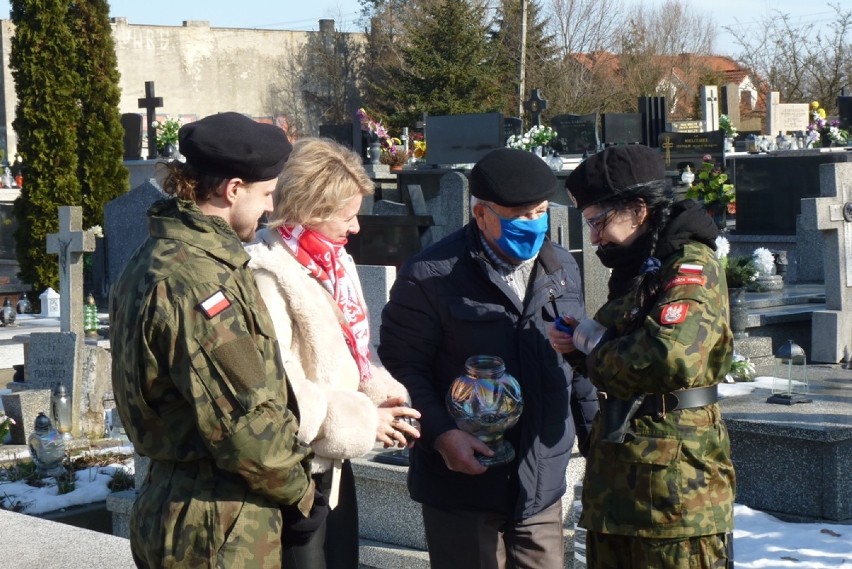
{"x":198,"y":70}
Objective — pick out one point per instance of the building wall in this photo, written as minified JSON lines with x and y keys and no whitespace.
{"x":196,"y":69}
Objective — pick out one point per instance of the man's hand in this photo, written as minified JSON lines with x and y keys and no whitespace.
{"x":459,"y":451}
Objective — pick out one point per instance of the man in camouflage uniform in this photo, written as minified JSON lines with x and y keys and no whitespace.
{"x":659,"y":484}
{"x":196,"y":372}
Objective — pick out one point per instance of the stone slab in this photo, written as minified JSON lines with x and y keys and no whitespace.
{"x":51,"y":358}
{"x":43,"y":543}
{"x":795,"y":460}
{"x":24,"y":407}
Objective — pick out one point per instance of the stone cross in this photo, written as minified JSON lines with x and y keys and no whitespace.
{"x":535,"y":105}
{"x":70,"y":243}
{"x":150,"y":103}
{"x":710,"y":107}
{"x":831,"y":214}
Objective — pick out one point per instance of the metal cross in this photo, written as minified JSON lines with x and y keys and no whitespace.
{"x":535,"y":105}
{"x":150,"y":103}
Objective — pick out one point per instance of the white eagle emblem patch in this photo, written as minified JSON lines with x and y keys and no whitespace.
{"x":674,"y":313}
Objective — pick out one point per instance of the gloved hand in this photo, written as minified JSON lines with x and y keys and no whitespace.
{"x":298,"y":529}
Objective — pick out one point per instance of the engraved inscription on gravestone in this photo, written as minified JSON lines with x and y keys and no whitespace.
{"x":51,"y":358}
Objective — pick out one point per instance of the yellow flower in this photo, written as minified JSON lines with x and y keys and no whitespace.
{"x":821,"y":113}
{"x":815,"y":105}
{"x":419,"y":149}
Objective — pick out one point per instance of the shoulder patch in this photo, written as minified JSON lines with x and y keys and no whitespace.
{"x":674,"y":313}
{"x":686,"y":280}
{"x":214,"y":304}
{"x":690,"y":269}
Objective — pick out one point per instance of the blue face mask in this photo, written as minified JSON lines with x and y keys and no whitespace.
{"x":521,"y":239}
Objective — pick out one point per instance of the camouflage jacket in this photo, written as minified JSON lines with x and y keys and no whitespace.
{"x":675,"y":477}
{"x":198,"y":384}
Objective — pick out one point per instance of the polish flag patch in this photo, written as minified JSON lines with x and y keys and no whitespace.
{"x":691,"y":269}
{"x":686,"y":280}
{"x":214,"y":304}
{"x":674,"y":313}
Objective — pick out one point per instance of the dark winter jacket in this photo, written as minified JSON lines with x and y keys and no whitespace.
{"x":447,"y":304}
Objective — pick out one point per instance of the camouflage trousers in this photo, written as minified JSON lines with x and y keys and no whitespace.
{"x":607,"y":551}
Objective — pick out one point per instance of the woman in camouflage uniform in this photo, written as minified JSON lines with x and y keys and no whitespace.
{"x":659,"y":485}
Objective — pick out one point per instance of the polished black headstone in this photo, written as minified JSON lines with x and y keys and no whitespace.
{"x":844,"y":112}
{"x":462,"y":139}
{"x":340,"y":133}
{"x":679,"y":149}
{"x":512,"y":126}
{"x":575,"y":134}
{"x":621,"y":128}
{"x":770,"y":188}
{"x":653,"y":111}
{"x":132,"y":124}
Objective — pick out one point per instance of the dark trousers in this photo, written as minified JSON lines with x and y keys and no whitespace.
{"x":606,"y":551}
{"x":335,"y":543}
{"x":464,"y":539}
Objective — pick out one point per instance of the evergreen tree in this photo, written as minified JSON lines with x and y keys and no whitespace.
{"x":446,"y":69}
{"x":46,"y":122}
{"x":100,"y":146}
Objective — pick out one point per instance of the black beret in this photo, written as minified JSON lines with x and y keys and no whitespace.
{"x":231,"y":145}
{"x":511,"y":177}
{"x":612,"y":171}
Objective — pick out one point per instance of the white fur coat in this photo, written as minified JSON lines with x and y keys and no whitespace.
{"x":338,"y":420}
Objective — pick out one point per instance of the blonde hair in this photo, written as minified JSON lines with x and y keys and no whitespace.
{"x":319,"y":179}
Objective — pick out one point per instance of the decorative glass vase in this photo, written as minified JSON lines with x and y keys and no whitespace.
{"x":485,"y":401}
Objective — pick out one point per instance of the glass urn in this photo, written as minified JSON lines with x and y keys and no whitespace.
{"x":47,"y":448}
{"x":7,"y":313}
{"x":486,"y":401}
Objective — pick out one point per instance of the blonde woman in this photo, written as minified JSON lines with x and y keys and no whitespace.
{"x":308,"y":281}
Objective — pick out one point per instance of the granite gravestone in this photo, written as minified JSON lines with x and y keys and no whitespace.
{"x":512,"y":126}
{"x":682,"y":149}
{"x":132,"y":124}
{"x":462,"y":139}
{"x":654,"y":116}
{"x":770,"y":188}
{"x":340,"y":133}
{"x":535,"y":105}
{"x":575,"y":134}
{"x":786,"y":117}
{"x":729,"y":103}
{"x":24,"y":407}
{"x":844,"y":112}
{"x":709,"y":95}
{"x":621,"y":128}
{"x":126,"y":226}
{"x":831,"y":213}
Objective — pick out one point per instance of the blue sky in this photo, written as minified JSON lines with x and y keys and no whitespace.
{"x":743,"y":15}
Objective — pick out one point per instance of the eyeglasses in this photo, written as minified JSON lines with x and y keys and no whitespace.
{"x":599,"y":222}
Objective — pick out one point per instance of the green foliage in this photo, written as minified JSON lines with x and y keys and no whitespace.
{"x":46,"y":121}
{"x":67,"y":123}
{"x":100,"y":137}
{"x":446,"y":67}
{"x":739,"y":271}
{"x":711,"y":184}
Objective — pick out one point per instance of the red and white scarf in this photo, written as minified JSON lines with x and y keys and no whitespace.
{"x":328,"y":262}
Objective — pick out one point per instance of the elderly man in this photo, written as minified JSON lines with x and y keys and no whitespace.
{"x":494,"y":287}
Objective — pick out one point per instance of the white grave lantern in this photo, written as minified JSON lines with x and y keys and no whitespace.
{"x":790,"y":377}
{"x":49,"y":303}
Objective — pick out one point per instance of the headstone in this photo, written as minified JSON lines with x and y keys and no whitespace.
{"x":450,"y":208}
{"x":680,"y":149}
{"x":69,"y":244}
{"x":786,"y":117}
{"x":770,"y":188}
{"x":512,"y":126}
{"x":126,"y":226}
{"x":730,"y":103}
{"x":709,"y":95}
{"x":376,"y":282}
{"x":536,"y":105}
{"x":575,"y":134}
{"x":462,"y":139}
{"x":24,"y":407}
{"x":844,"y":112}
{"x":94,"y":396}
{"x":132,"y":124}
{"x":621,"y":128}
{"x":832,"y":215}
{"x":50,"y":359}
{"x":340,"y":133}
{"x":654,"y":116}
{"x":151,"y":103}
